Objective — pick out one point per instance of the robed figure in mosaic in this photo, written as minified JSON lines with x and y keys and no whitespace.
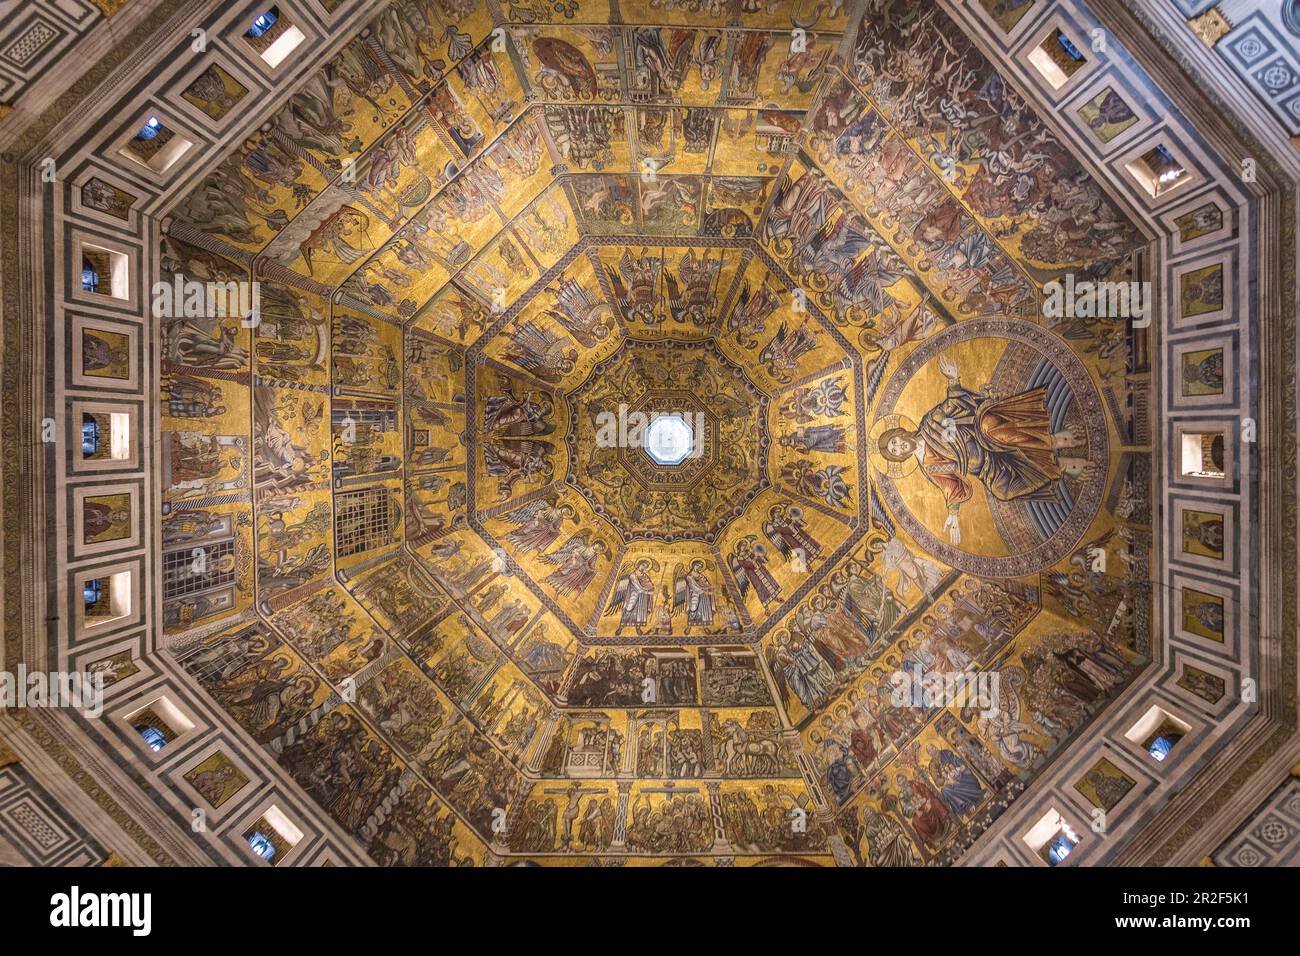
{"x":1006,"y":443}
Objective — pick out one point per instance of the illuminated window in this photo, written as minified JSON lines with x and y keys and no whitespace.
{"x":155,"y":146}
{"x":105,"y":434}
{"x":273,"y":37}
{"x":159,"y":723}
{"x":264,"y":22}
{"x":1070,"y":49}
{"x":106,"y":599}
{"x":1162,"y":744}
{"x":104,"y":271}
{"x":153,"y":737}
{"x":271,"y":836}
{"x":1202,"y":455}
{"x":669,"y":440}
{"x":261,"y":844}
{"x":96,"y":266}
{"x":150,"y":129}
{"x":1157,"y":170}
{"x":1060,"y":846}
{"x":1052,"y":838}
{"x":89,"y":436}
{"x":1057,"y":58}
{"x":1158,"y":732}
{"x":92,"y":592}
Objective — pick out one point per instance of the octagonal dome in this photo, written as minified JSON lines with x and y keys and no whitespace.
{"x":640,"y":403}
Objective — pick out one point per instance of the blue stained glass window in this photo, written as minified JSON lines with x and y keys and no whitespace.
{"x":1070,"y":49}
{"x":89,"y":435}
{"x":92,"y":591}
{"x":152,"y":736}
{"x":264,"y":22}
{"x":261,"y":845}
{"x":1059,"y":848}
{"x":89,"y":279}
{"x":1160,"y":747}
{"x":150,"y":129}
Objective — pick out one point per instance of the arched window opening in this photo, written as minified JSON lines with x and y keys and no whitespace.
{"x":1162,"y":744}
{"x":264,"y":22}
{"x":92,"y":592}
{"x":1059,"y":848}
{"x":150,"y":129}
{"x":261,"y":845}
{"x":89,"y":435}
{"x":153,"y":737}
{"x":89,"y":276}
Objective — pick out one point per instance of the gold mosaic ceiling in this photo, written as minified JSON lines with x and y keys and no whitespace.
{"x":474,"y":237}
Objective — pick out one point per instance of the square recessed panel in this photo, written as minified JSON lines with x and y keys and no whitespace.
{"x":22,"y":50}
{"x":1250,"y":47}
{"x":1292,"y":107}
{"x":1276,"y":78}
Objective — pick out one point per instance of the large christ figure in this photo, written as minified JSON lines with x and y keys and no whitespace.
{"x":1005,"y":443}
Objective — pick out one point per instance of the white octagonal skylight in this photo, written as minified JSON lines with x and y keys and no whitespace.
{"x":669,"y":440}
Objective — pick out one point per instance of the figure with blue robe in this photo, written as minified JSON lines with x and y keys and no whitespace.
{"x":1004,"y":443}
{"x":959,"y":789}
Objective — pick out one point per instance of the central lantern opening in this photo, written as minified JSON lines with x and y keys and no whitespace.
{"x":669,"y":440}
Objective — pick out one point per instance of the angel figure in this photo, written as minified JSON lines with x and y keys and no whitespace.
{"x":786,"y":528}
{"x":576,"y":561}
{"x":748,"y":562}
{"x":692,"y":588}
{"x":634,"y":596}
{"x":782,"y":353}
{"x":537,"y":524}
{"x":513,"y":416}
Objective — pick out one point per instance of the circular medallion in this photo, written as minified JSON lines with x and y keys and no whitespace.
{"x":989,"y":447}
